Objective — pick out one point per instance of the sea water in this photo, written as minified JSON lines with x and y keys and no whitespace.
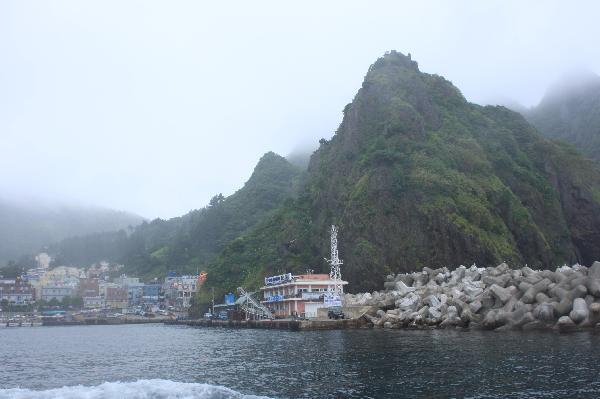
{"x":156,"y":361}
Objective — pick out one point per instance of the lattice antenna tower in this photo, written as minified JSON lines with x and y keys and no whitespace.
{"x":335,"y":274}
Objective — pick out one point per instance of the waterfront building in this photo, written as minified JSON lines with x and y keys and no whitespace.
{"x":17,"y":291}
{"x":35,"y":274}
{"x":179,"y":290}
{"x":59,"y":283}
{"x":93,"y":302}
{"x":287,"y":295}
{"x":151,"y":293}
{"x":89,"y":291}
{"x":33,"y":277}
{"x":65,"y":274}
{"x":57,"y":290}
{"x":89,"y":287}
{"x":116,"y":298}
{"x":103,"y":285}
{"x":134,"y":288}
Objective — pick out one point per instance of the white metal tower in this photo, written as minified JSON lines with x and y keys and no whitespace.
{"x":335,"y":274}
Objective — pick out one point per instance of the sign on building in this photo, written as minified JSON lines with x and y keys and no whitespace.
{"x":332,"y":300}
{"x":274,"y":280}
{"x":312,"y":295}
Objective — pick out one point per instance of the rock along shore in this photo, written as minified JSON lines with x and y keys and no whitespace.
{"x":493,"y":298}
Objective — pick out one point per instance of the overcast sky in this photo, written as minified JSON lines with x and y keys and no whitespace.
{"x":155,"y":106}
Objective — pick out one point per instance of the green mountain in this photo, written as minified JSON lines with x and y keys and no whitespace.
{"x":26,"y":227}
{"x":570,"y":111}
{"x":417,"y":176}
{"x":192,"y":241}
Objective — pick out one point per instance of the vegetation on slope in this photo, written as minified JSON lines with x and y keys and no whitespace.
{"x":417,"y":176}
{"x":27,"y":227}
{"x":570,"y":112}
{"x":190,"y":242}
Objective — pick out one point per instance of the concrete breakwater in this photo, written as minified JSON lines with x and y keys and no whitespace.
{"x":282,"y":324}
{"x":493,"y":298}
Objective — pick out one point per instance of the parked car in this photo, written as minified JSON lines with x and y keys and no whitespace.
{"x":335,"y":313}
{"x":223,"y":315}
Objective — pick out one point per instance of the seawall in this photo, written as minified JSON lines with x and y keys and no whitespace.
{"x":494,"y":298}
{"x":290,"y":325}
{"x":98,"y":321}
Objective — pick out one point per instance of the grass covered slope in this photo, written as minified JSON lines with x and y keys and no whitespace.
{"x":416,"y":176}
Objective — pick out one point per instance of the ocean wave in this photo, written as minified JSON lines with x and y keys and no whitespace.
{"x":141,"y":389}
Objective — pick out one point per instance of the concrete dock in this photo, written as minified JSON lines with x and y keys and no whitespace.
{"x":283,"y":324}
{"x":99,"y":321}
{"x":354,"y":319}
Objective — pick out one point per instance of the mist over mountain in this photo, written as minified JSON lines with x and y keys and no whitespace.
{"x":192,"y":241}
{"x":414,"y":176}
{"x":29,"y":225}
{"x":570,"y":111}
{"x":509,"y":103}
{"x":417,"y":176}
{"x":300,"y":156}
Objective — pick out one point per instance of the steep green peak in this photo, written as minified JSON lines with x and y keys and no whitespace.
{"x":396,"y":77}
{"x":272,"y":165}
{"x":269,"y":160}
{"x":392,"y":71}
{"x":398,"y":100}
{"x":395,"y":59}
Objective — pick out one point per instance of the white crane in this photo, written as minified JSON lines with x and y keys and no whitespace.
{"x":335,"y":274}
{"x":251,"y":306}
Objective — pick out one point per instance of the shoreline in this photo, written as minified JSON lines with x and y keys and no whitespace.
{"x":354,"y":324}
{"x":282,"y":324}
{"x":86,"y":322}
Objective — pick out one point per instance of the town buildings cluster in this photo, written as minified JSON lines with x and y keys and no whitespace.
{"x":96,"y":289}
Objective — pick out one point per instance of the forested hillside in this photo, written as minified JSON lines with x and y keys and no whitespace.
{"x":190,"y":242}
{"x":417,"y":176}
{"x":26,"y":227}
{"x":570,"y":111}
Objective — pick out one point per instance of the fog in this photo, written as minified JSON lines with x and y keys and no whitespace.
{"x":153,"y":106}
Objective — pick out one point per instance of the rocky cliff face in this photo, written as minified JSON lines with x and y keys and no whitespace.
{"x":416,"y":176}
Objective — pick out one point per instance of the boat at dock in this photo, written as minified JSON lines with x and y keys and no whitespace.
{"x":17,"y":322}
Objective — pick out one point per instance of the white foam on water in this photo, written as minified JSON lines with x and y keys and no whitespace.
{"x":142,"y":389}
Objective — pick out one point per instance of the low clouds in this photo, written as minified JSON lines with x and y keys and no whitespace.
{"x":153,"y":107}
